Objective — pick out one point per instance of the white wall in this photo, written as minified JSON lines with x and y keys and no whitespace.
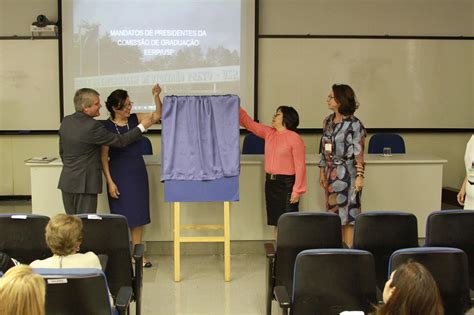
{"x":367,"y":17}
{"x":15,"y":176}
{"x":17,"y":15}
{"x":402,"y":83}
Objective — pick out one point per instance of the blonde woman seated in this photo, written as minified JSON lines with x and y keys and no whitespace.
{"x":64,"y":237}
{"x":22,"y":292}
{"x":411,"y":290}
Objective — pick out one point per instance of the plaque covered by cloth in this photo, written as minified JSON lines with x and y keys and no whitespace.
{"x":200,"y":153}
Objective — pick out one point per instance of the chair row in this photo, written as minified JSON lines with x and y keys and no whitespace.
{"x":381,"y":233}
{"x":82,"y":291}
{"x":22,"y":237}
{"x":255,"y":145}
{"x":329,"y":281}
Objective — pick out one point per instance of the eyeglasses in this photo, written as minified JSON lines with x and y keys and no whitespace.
{"x":124,"y":106}
{"x":330,"y":97}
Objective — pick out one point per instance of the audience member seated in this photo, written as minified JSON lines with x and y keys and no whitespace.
{"x":64,"y":237}
{"x":411,"y":290}
{"x":22,"y":292}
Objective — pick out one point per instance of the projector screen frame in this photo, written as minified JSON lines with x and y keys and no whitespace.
{"x":217,"y":84}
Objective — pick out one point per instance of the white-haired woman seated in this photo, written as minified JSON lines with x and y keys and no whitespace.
{"x":64,"y":238}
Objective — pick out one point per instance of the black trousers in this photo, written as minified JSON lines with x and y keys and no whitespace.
{"x":278,"y":190}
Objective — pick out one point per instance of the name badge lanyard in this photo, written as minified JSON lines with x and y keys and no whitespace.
{"x":334,"y":130}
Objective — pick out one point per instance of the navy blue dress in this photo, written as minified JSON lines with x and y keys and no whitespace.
{"x":128,"y":171}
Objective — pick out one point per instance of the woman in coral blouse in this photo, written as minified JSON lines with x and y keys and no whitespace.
{"x":285,"y":163}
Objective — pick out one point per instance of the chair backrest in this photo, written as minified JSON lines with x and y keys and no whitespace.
{"x":329,"y":281}
{"x":22,"y":237}
{"x":76,"y":291}
{"x":298,"y":231}
{"x":108,"y":234}
{"x":147,"y":148}
{"x":253,"y":145}
{"x":382,"y":140}
{"x":382,"y":233}
{"x":448,"y":266}
{"x":453,"y":228}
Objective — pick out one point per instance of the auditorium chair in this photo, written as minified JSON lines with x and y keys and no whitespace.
{"x":453,"y":228}
{"x":81,"y":291}
{"x":22,"y":237}
{"x":253,"y":144}
{"x":449,"y":268}
{"x":108,"y":234}
{"x":381,"y":233}
{"x":330,"y":281}
{"x":383,"y":140}
{"x":147,"y":147}
{"x":298,"y":231}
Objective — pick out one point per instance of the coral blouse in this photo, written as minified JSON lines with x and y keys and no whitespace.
{"x":285,"y":152}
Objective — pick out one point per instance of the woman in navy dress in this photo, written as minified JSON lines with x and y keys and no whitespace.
{"x":124,"y":168}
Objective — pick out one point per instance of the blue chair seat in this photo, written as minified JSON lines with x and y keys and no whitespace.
{"x":383,"y":140}
{"x":253,"y":145}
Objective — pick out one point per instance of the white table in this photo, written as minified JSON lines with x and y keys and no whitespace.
{"x":408,"y":182}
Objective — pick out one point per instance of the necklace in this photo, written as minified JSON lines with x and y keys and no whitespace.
{"x":116,"y":127}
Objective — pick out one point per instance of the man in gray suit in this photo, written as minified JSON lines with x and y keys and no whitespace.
{"x":80,"y":138}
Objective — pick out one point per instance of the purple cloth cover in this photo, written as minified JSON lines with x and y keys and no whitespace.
{"x":222,"y":189}
{"x":200,"y":154}
{"x":200,"y":137}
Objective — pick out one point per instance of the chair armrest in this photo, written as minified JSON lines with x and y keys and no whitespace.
{"x":103,"y":259}
{"x":269,"y":296}
{"x":269,"y":250}
{"x":281,"y":295}
{"x":124,"y":297}
{"x":138,"y":252}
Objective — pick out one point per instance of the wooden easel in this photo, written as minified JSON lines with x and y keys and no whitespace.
{"x":178,"y":239}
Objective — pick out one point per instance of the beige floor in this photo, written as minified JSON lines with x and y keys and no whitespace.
{"x":202,"y":289}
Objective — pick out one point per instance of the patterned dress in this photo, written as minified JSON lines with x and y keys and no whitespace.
{"x":342,"y":156}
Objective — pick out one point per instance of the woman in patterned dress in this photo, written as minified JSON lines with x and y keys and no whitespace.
{"x":342,"y":158}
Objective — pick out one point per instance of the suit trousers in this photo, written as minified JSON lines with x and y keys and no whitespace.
{"x":75,"y":203}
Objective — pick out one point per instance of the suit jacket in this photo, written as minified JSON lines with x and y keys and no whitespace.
{"x":80,"y":138}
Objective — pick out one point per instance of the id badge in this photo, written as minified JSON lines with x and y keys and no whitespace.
{"x":328,"y":147}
